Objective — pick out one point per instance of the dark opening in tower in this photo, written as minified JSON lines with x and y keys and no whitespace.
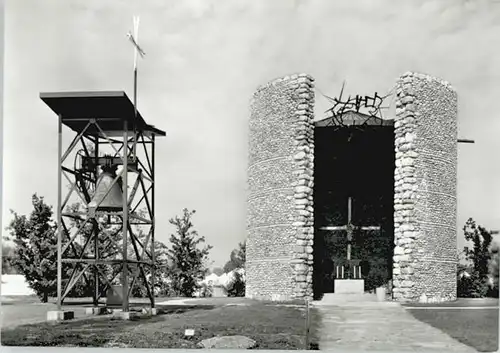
{"x":353,"y":181}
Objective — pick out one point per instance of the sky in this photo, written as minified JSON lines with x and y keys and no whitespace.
{"x":205,"y":58}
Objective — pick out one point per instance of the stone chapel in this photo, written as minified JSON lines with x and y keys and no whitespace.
{"x":343,"y":209}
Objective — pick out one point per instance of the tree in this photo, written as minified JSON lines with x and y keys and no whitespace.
{"x":8,"y":254}
{"x":236,"y":259}
{"x":187,"y":261}
{"x":481,"y":239}
{"x":475,"y":283}
{"x":36,"y":248}
{"x":236,"y":265}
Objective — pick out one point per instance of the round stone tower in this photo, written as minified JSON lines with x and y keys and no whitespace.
{"x":280,"y":213}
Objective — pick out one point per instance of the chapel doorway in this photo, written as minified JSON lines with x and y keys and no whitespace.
{"x":353,"y":203}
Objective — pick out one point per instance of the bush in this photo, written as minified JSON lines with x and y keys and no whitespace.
{"x":206,"y":291}
{"x":236,"y":288}
{"x":472,"y":286}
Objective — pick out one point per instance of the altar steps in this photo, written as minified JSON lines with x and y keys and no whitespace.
{"x":350,"y":297}
{"x":362,"y":299}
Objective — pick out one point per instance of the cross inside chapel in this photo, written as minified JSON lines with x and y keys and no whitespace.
{"x":349,"y":229}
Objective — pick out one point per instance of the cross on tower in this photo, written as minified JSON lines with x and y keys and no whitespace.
{"x":134,"y":38}
{"x":349,"y":228}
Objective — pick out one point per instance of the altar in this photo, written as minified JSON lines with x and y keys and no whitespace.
{"x":348,"y":278}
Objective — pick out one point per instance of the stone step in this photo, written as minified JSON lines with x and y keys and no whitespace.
{"x":337,"y":297}
{"x":366,"y":300}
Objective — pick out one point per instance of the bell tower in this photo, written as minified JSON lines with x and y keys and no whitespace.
{"x":105,"y":217}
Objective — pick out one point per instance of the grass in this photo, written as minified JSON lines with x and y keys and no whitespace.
{"x":272,"y":326}
{"x":477,"y":328}
{"x":460,"y":302}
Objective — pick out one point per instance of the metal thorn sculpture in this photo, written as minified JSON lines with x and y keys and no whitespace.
{"x":371,"y":106}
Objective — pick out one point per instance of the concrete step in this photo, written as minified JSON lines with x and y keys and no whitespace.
{"x":362,"y":297}
{"x":354,"y":305}
{"x":356,"y":300}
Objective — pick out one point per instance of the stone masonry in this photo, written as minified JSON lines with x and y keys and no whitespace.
{"x":280,"y":178}
{"x":280,"y":220}
{"x":425,"y":256}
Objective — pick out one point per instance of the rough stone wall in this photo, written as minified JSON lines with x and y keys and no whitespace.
{"x":425,"y":257}
{"x":280,"y":180}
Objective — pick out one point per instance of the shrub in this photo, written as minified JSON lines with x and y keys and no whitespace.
{"x":472,"y":286}
{"x":236,"y":287}
{"x":206,"y":291}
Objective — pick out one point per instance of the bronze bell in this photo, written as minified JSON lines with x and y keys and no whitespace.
{"x":113,"y":201}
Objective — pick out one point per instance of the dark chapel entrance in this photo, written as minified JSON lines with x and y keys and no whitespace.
{"x":353,"y":198}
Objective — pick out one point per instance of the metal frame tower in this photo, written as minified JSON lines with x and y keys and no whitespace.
{"x":103,"y":121}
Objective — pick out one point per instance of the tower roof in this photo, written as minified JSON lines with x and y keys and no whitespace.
{"x":110,"y":109}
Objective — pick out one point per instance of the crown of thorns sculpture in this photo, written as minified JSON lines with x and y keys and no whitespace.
{"x":367,"y":105}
